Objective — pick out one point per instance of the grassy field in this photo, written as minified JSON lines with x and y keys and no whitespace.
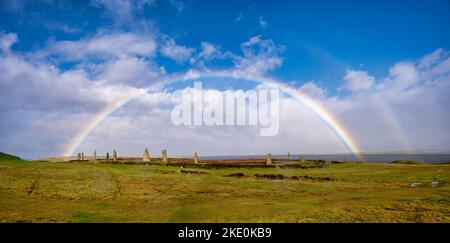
{"x":32,"y":191}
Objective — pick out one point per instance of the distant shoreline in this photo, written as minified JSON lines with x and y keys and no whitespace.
{"x":432,"y":158}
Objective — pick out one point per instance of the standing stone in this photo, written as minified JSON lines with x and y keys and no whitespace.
{"x":94,"y":156}
{"x":195,"y":158}
{"x":79,"y":156}
{"x":268,"y":159}
{"x":114,"y":155}
{"x":82,"y":156}
{"x":302,"y":158}
{"x":107,"y":156}
{"x":146,"y":157}
{"x":164,"y":157}
{"x":289,"y":156}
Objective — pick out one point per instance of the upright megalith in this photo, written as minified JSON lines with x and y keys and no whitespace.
{"x":269,"y":159}
{"x":94,"y":156}
{"x":289,"y":156}
{"x":107,"y":156}
{"x":114,"y":155}
{"x":301,"y":158}
{"x":195,"y":158}
{"x":82,"y":155}
{"x":79,"y":156}
{"x":146,"y":157}
{"x":164,"y":159}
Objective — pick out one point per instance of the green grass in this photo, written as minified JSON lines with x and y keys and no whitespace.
{"x":33,"y":191}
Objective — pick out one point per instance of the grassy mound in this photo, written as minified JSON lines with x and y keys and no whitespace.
{"x":408,"y":162}
{"x":5,"y":156}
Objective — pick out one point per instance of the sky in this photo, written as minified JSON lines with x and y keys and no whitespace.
{"x":381,"y":68}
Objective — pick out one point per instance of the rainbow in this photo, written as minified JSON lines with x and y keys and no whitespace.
{"x":392,"y":120}
{"x":331,"y":121}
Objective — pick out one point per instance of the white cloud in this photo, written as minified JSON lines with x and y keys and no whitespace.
{"x":401,"y":76}
{"x":431,"y":59}
{"x":262,"y":22}
{"x":38,"y":86}
{"x":356,"y":81}
{"x":407,"y":110}
{"x":27,"y":85}
{"x":259,"y":56}
{"x":41,"y":101}
{"x":209,"y":51}
{"x":176,"y":52}
{"x":129,"y":70}
{"x":6,"y":41}
{"x":105,"y":46}
{"x":122,"y":10}
{"x":312,"y":89}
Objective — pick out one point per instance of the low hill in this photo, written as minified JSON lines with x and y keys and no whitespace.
{"x":5,"y":156}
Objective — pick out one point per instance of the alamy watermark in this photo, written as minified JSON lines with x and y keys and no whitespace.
{"x":229,"y":108}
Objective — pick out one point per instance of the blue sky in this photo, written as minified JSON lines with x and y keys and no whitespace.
{"x":346,"y":54}
{"x":322,"y":38}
